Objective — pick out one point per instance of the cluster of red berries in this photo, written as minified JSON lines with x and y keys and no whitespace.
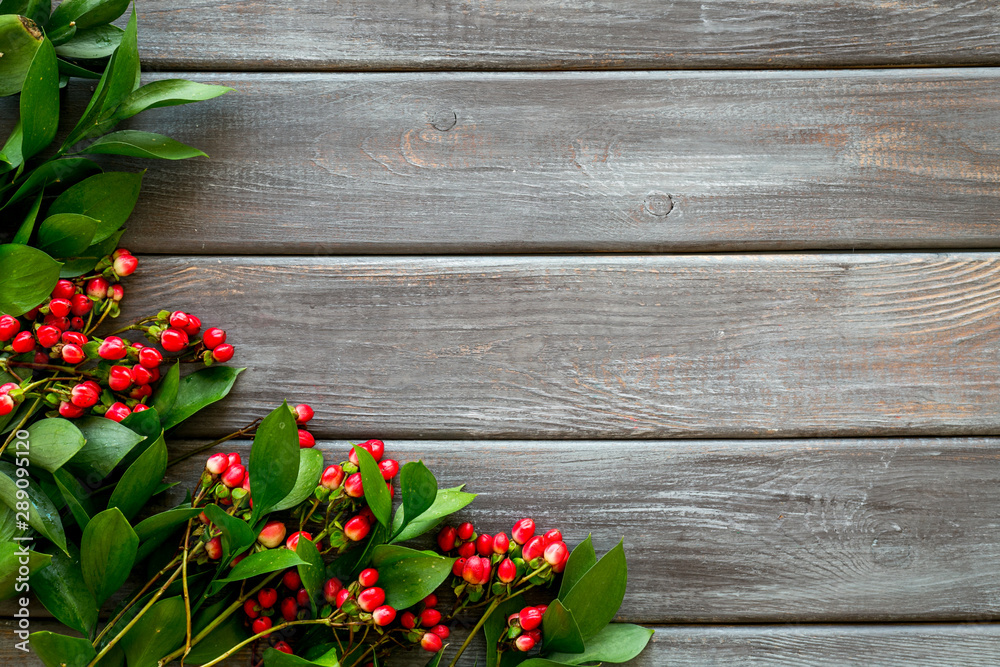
{"x":424,"y":625}
{"x":230,"y":478}
{"x":362,"y":599}
{"x":524,"y":631}
{"x":262,"y":611}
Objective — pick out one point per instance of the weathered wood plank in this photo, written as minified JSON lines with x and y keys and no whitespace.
{"x":602,"y":346}
{"x":575,"y":34}
{"x":633,"y":162}
{"x":762,"y":646}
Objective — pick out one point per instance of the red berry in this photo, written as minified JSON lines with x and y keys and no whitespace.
{"x":465,"y":531}
{"x":234,"y":458}
{"x":179,"y":320}
{"x":353,"y":487}
{"x":556,"y":553}
{"x":9,"y":326}
{"x":61,"y":323}
{"x":430,"y":617}
{"x":23,"y":342}
{"x":272,"y":534}
{"x":523,"y":530}
{"x":267,"y":597}
{"x":213,"y":338}
{"x":289,"y":609}
{"x":150,"y":357}
{"x":408,"y":620}
{"x":251,"y":608}
{"x":331,"y":588}
{"x":506,"y":571}
{"x":357,"y":528}
{"x":86,"y":394}
{"x":217,"y":464}
{"x":119,"y":252}
{"x":293,"y":540}
{"x":343,"y":595}
{"x":97,"y":288}
{"x":534,"y":548}
{"x":41,"y":358}
{"x":291,"y":580}
{"x":431,"y":642}
{"x":48,"y":335}
{"x":388,"y":468}
{"x":261,"y":624}
{"x":233,"y":476}
{"x":193,"y":325}
{"x":441,"y":631}
{"x":113,"y":348}
{"x":458,"y":567}
{"x":370,"y":598}
{"x":302,"y":597}
{"x":117,"y":412}
{"x":120,"y":378}
{"x":8,"y":387}
{"x":332,"y":477}
{"x":446,"y":539}
{"x":475,"y":570}
{"x":501,"y":543}
{"x":214,"y":548}
{"x":64,"y":289}
{"x":306,"y":439}
{"x":125,"y":265}
{"x":141,"y":374}
{"x":430,"y":601}
{"x":223,"y":353}
{"x":484,"y":545}
{"x":283,"y":647}
{"x":116,"y":292}
{"x":141,"y":407}
{"x":303,"y":413}
{"x":74,"y":337}
{"x":467,"y":549}
{"x":383,"y":615}
{"x":173,"y":340}
{"x":77,"y":323}
{"x":524,"y":643}
{"x":81,"y":305}
{"x":368,"y":577}
{"x":7,"y":405}
{"x":60,"y":307}
{"x":73,"y":354}
{"x":552,"y":536}
{"x":529,"y":618}
{"x":374,"y":447}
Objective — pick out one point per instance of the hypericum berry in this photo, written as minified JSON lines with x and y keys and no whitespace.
{"x":552,"y":536}
{"x":332,"y":477}
{"x":113,"y":348}
{"x":331,"y":588}
{"x":267,"y":597}
{"x":353,"y":487}
{"x":80,"y":305}
{"x":213,"y":338}
{"x":430,"y":601}
{"x":173,"y":340}
{"x":291,"y":580}
{"x":23,"y":342}
{"x":272,"y":534}
{"x":529,"y":618}
{"x":524,"y":643}
{"x":441,"y":631}
{"x":302,"y":597}
{"x":368,"y":577}
{"x":430,"y":617}
{"x":458,"y":567}
{"x":117,"y":412}
{"x":251,"y":608}
{"x":484,"y":545}
{"x":217,"y":464}
{"x":289,"y":609}
{"x":223,"y":353}
{"x":233,"y":476}
{"x":140,"y":392}
{"x":306,"y":439}
{"x":501,"y":543}
{"x":64,"y":289}
{"x":141,"y":374}
{"x":467,"y":549}
{"x":60,"y":307}
{"x":141,"y":407}
{"x":446,"y":539}
{"x":523,"y":530}
{"x":7,"y":405}
{"x":150,"y":357}
{"x":303,"y":413}
{"x":74,"y":337}
{"x":48,"y":335}
{"x":8,"y":387}
{"x":179,"y":320}
{"x":408,"y":620}
{"x":284,"y":648}
{"x":72,"y":354}
{"x":388,"y":468}
{"x":214,"y":548}
{"x":370,"y":598}
{"x":343,"y":595}
{"x":234,"y":458}
{"x":86,"y":394}
{"x":41,"y":358}
{"x":77,"y":323}
{"x":465,"y":531}
{"x":357,"y":528}
{"x":97,"y":288}
{"x":116,"y":293}
{"x":120,"y":378}
{"x":506,"y":571}
{"x":431,"y":642}
{"x":261,"y":624}
{"x":383,"y":615}
{"x":61,"y":323}
{"x":477,"y":570}
{"x":374,"y":447}
{"x":556,"y":554}
{"x":9,"y":326}
{"x":293,"y":540}
{"x":193,"y":325}
{"x":534,"y":548}
{"x":125,"y":265}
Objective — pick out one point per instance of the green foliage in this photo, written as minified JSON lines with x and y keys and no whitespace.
{"x":107,"y":553}
{"x":376,"y":493}
{"x":408,"y":576}
{"x":274,"y":460}
{"x":199,"y":390}
{"x":61,"y":651}
{"x":310,"y":469}
{"x":446,"y":503}
{"x":264,"y":562}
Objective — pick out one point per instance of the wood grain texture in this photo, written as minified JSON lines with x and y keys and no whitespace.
{"x":602,"y":346}
{"x":938,"y":645}
{"x":608,"y":162}
{"x":575,"y":34}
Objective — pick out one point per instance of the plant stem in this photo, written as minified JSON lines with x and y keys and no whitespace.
{"x":13,"y":433}
{"x":246,"y":430}
{"x":187,"y":595}
{"x":135,"y":599}
{"x":260,"y":635}
{"x":489,"y":611}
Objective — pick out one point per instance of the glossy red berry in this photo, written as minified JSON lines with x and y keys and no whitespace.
{"x":408,"y":620}
{"x":446,"y":539}
{"x":120,"y":378}
{"x":374,"y":447}
{"x":370,"y":598}
{"x":284,"y":648}
{"x":217,"y":464}
{"x":484,"y":545}
{"x":272,"y":534}
{"x":7,"y":405}
{"x":306,"y":439}
{"x":179,"y":320}
{"x":289,"y":609}
{"x":173,"y":340}
{"x":64,"y":289}
{"x":552,"y":536}
{"x":368,"y":577}
{"x":113,"y":348}
{"x":150,"y":357}
{"x":441,"y":631}
{"x":193,"y":325}
{"x":533,"y":548}
{"x":332,"y":477}
{"x":430,"y":617}
{"x":430,"y":601}
{"x":506,"y":571}
{"x":223,"y":353}
{"x":529,"y":618}
{"x":293,"y":540}
{"x":72,"y":354}
{"x":234,"y":458}
{"x":214,"y":548}
{"x":80,"y":305}
{"x":357,"y":528}
{"x":331,"y":588}
{"x":251,"y":608}
{"x":234,"y":475}
{"x":213,"y":337}
{"x":458,"y":567}
{"x":267,"y":597}
{"x":116,"y":293}
{"x":77,"y":323}
{"x":9,"y":326}
{"x":86,"y":394}
{"x":343,"y":595}
{"x":117,"y":412}
{"x":465,"y":531}
{"x":353,"y":486}
{"x":141,"y":374}
{"x":125,"y":265}
{"x":60,"y":323}
{"x":291,"y":580}
{"x":23,"y":342}
{"x":523,"y":530}
{"x":501,"y":543}
{"x":41,"y":358}
{"x":303,"y":413}
{"x":60,"y":307}
{"x":467,"y":549}
{"x":383,"y":615}
{"x":524,"y":643}
{"x":388,"y":468}
{"x":261,"y":624}
{"x":141,"y":407}
{"x":556,"y":553}
{"x":97,"y":288}
{"x":431,"y":642}
{"x":74,"y":337}
{"x":48,"y":335}
{"x":476,"y":570}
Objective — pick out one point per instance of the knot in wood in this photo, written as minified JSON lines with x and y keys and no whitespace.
{"x":659,"y":204}
{"x":444,"y":120}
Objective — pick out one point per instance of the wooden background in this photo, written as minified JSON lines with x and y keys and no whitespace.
{"x":735,"y":297}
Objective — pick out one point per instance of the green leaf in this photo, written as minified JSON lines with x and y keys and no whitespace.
{"x":436,"y":660}
{"x":225,"y":636}
{"x":263,"y":562}
{"x":495,"y":626}
{"x":68,"y":69}
{"x":62,"y":651}
{"x":66,"y":234}
{"x":310,"y":469}
{"x":27,"y":277}
{"x":145,"y":424}
{"x":12,"y":150}
{"x":11,"y":559}
{"x":140,"y":480}
{"x":76,"y":497}
{"x":275,"y":658}
{"x":418,"y":488}
{"x":152,"y":532}
{"x":107,"y":553}
{"x":560,"y":631}
{"x":123,"y":68}
{"x":617,"y":642}
{"x":609,"y":576}
{"x":237,"y":536}
{"x":165,"y":93}
{"x":54,"y":442}
{"x":87,"y":13}
{"x":350,"y":564}
{"x":43,"y":515}
{"x":580,"y":561}
{"x":61,"y":589}
{"x":446,"y":502}
{"x":107,"y":444}
{"x":97,"y":42}
{"x":376,"y":492}
{"x":323,"y":654}
{"x":157,"y":633}
{"x":166,"y":393}
{"x":64,"y":171}
{"x":199,"y":390}
{"x":21,"y":39}
{"x":40,"y":101}
{"x":408,"y":576}
{"x":313,"y":572}
{"x":36,"y":10}
{"x":108,"y":197}
{"x":135,"y":143}
{"x":274,"y":460}
{"x":27,"y":228}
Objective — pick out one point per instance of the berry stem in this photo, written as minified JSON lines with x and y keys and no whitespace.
{"x":104,"y":313}
{"x":259,"y":635}
{"x":13,"y":433}
{"x":246,"y":430}
{"x":482,"y":621}
{"x":187,"y":595}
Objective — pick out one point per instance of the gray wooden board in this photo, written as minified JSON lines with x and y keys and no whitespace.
{"x":528,"y":34}
{"x":746,"y":531}
{"x":601,"y":346}
{"x":637,"y":162}
{"x":924,"y":645}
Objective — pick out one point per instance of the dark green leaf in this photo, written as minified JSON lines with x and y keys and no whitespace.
{"x":140,"y":480}
{"x":165,"y":93}
{"x":76,"y":497}
{"x":43,"y":515}
{"x":156,"y":529}
{"x":274,"y":658}
{"x":446,"y":502}
{"x":21,"y":39}
{"x":225,"y":636}
{"x":108,"y":198}
{"x":236,"y":534}
{"x":64,"y":171}
{"x":166,"y":393}
{"x":61,"y":589}
{"x":40,"y":101}
{"x":145,"y":424}
{"x":418,"y":488}
{"x":69,"y":69}
{"x":436,"y":660}
{"x":350,"y":564}
{"x":408,"y":576}
{"x":617,"y":642}
{"x":160,"y":631}
{"x":11,"y":559}
{"x":107,"y":553}
{"x":87,"y":13}
{"x":135,"y":143}
{"x":12,"y":150}
{"x":107,"y":444}
{"x":310,"y":469}
{"x":274,"y":460}
{"x":54,"y":442}
{"x":313,"y":573}
{"x":66,"y":234}
{"x":8,"y":523}
{"x":376,"y":492}
{"x":27,"y":276}
{"x":123,"y":69}
{"x":200,"y":389}
{"x":609,"y":576}
{"x":560,"y":631}
{"x":263,"y":562}
{"x":88,"y":259}
{"x":27,"y":227}
{"x":580,"y":561}
{"x":96,"y":42}
{"x":496,"y":625}
{"x":62,"y":651}
{"x":36,"y":10}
